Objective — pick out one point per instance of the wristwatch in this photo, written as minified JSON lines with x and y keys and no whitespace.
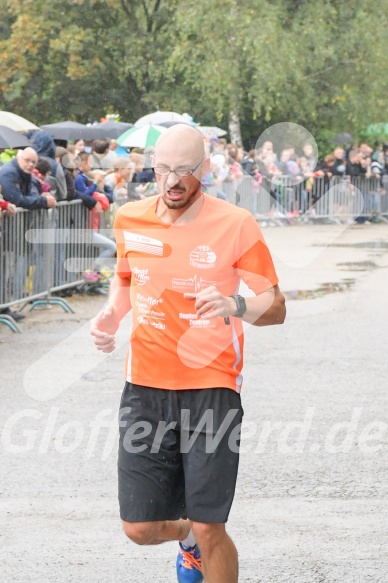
{"x":241,"y":306}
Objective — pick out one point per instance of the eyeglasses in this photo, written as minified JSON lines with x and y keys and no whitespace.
{"x":181,"y":172}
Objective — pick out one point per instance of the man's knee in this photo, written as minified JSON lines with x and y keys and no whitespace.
{"x":208,"y":534}
{"x":141,"y":533}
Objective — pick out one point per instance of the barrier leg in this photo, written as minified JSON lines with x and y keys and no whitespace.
{"x":52,"y":301}
{"x":10,"y":322}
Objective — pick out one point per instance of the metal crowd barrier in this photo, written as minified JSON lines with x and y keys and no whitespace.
{"x":335,"y":198}
{"x":45,"y":251}
{"x":42,"y":252}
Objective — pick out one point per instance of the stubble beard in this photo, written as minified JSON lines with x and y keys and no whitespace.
{"x":180,"y":204}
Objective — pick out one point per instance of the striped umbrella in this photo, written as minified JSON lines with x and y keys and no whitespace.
{"x":141,"y":137}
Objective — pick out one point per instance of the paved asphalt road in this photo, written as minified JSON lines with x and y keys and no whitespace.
{"x":311,"y":502}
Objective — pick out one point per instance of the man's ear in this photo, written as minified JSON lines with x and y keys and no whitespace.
{"x":205,"y":167}
{"x":152,"y":159}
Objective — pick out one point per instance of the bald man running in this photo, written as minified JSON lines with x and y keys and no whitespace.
{"x":181,"y":256}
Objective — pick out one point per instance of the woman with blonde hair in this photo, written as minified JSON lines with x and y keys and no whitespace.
{"x":121,"y":177}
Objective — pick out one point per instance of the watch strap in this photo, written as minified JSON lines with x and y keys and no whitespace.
{"x":241,"y":305}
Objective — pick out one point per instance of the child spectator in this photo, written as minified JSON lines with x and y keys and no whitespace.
{"x":40,"y":173}
{"x":68,"y":163}
{"x":120,"y":179}
{"x":44,"y":146}
{"x":82,"y":181}
{"x":249,"y":163}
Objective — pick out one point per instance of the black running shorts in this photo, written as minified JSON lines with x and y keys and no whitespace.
{"x":178,"y":453}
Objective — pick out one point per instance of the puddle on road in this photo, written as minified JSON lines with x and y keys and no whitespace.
{"x":323,"y":290}
{"x":378,"y":244}
{"x":96,"y":376}
{"x":344,"y":284}
{"x":358,"y":265}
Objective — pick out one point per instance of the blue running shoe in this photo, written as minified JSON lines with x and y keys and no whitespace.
{"x":188,"y":565}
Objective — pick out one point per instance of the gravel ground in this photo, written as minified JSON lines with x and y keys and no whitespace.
{"x":311,"y":502}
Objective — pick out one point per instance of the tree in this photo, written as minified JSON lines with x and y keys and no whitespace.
{"x":83,"y":58}
{"x":307,"y":62}
{"x":248,"y":64}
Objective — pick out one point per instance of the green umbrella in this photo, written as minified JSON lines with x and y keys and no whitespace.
{"x":141,"y":137}
{"x":376,"y":130}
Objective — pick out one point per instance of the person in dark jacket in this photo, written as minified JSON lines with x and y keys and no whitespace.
{"x":63,"y":157}
{"x":18,"y":186}
{"x":353,"y":165}
{"x":339,"y":166}
{"x":44,"y":145}
{"x":248,"y":163}
{"x":82,"y":181}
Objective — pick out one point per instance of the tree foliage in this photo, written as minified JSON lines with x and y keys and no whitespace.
{"x":320,"y":64}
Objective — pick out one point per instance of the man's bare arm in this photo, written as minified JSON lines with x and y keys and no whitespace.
{"x":105,"y":325}
{"x":119,"y":298}
{"x":265,"y":309}
{"x":270,"y":305}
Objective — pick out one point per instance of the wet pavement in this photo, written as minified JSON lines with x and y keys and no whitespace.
{"x":311,"y":500}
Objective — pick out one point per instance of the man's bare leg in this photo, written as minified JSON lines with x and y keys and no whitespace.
{"x":155,"y":533}
{"x":218,"y":553}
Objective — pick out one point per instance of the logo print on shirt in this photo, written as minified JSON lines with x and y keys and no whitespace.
{"x":203,"y":257}
{"x":150,"y":300}
{"x":140,"y":275}
{"x":191,"y":283}
{"x":135,"y":242}
{"x":158,"y":325}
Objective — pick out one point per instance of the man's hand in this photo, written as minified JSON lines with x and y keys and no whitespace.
{"x":98,"y":208}
{"x":264,"y":309}
{"x":11,"y":209}
{"x":51,"y":202}
{"x":210,"y":303}
{"x":103,"y":329}
{"x":142,"y":188}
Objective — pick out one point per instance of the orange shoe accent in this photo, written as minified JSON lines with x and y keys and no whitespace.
{"x":189,"y":560}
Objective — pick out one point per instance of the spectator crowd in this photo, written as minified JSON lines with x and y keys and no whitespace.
{"x":104,"y":175}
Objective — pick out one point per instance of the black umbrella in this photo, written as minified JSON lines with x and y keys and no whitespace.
{"x":113,"y":129}
{"x":342,"y":139}
{"x":11,"y":139}
{"x":71,"y":130}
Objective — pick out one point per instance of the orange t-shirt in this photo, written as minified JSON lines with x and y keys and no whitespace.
{"x":170,"y":347}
